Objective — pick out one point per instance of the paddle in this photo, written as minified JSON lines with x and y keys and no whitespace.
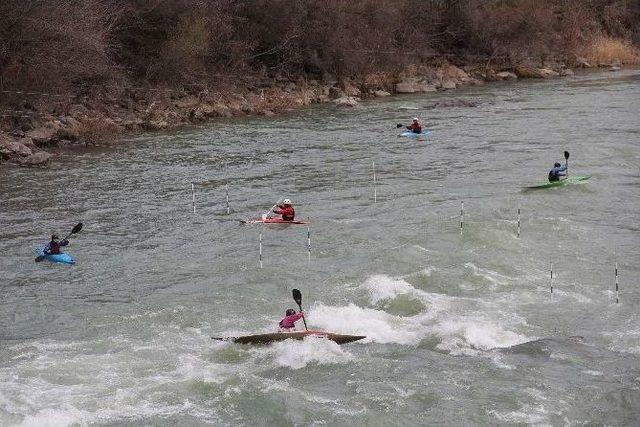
{"x":297,"y":297}
{"x":566,"y":163}
{"x":266,"y":214}
{"x":74,"y":230}
{"x":399,"y":125}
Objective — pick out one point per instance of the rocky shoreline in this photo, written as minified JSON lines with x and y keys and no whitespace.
{"x":97,"y":120}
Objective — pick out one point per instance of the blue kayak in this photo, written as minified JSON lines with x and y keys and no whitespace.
{"x":61,"y":258}
{"x":413,"y":135}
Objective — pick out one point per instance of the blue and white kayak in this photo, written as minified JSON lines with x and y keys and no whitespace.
{"x":61,"y":258}
{"x":413,"y":135}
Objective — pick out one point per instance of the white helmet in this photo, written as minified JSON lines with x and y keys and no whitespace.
{"x":415,"y":119}
{"x":286,"y":202}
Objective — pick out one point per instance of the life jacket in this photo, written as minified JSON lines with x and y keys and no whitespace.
{"x":54,"y":247}
{"x":288,"y":213}
{"x":415,"y":128}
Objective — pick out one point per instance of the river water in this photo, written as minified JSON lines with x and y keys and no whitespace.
{"x":461,"y":329}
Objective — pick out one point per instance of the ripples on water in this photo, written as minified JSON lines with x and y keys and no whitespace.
{"x":461,"y":330}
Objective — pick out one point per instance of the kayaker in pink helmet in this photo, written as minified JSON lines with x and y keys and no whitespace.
{"x":290,"y":319}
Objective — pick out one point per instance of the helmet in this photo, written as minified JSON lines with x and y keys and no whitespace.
{"x":286,"y":202}
{"x":415,"y":119}
{"x":290,"y":311}
{"x":54,"y":236}
{"x":556,"y":165}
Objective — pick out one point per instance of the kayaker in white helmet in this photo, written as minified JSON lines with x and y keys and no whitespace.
{"x":286,"y":210}
{"x":415,"y":126}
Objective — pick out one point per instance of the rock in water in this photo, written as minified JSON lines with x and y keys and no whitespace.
{"x":37,"y":159}
{"x":346,"y":101}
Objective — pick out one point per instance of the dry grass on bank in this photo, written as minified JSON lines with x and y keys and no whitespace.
{"x":607,"y":50}
{"x":96,"y":131}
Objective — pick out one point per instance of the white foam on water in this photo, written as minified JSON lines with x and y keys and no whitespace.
{"x":528,"y":415}
{"x":469,"y":335}
{"x":382,"y":288}
{"x":60,"y":387}
{"x":54,"y":418}
{"x":448,"y":318}
{"x":377,"y":325}
{"x":493,"y":277}
{"x":297,"y":354}
{"x":625,"y":340}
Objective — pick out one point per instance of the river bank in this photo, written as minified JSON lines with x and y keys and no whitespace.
{"x":28,"y":137}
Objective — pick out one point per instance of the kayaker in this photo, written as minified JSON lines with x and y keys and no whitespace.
{"x":290,"y":319}
{"x":557,"y":171}
{"x":286,"y":210}
{"x":415,"y":126}
{"x":53,"y":248}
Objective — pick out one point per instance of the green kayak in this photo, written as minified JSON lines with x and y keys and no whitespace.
{"x":571,"y":179}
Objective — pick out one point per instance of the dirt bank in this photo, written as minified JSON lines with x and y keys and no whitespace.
{"x":98,"y":119}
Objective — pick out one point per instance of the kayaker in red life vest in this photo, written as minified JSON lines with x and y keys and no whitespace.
{"x":286,"y":210}
{"x":53,"y":248}
{"x":290,"y":319}
{"x":415,"y":127}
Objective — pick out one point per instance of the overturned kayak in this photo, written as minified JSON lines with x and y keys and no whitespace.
{"x":272,"y":221}
{"x":413,"y":135}
{"x":572,"y":179}
{"x":295,"y":335}
{"x":61,"y":258}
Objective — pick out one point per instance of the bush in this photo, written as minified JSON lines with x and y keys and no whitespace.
{"x":607,"y":50}
{"x":90,"y":47}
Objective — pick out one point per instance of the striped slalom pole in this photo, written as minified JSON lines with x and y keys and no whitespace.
{"x":551,"y":278}
{"x":375,"y":190}
{"x":193,"y":197}
{"x":260,"y":240}
{"x":226,"y":186}
{"x":461,"y":216}
{"x":518,"y":221}
{"x":309,"y":241}
{"x":616,"y":272}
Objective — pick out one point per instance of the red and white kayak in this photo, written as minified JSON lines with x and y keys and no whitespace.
{"x":294,"y":335}
{"x":273,"y":221}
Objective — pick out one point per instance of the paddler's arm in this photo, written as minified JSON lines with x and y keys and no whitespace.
{"x":562,"y":170}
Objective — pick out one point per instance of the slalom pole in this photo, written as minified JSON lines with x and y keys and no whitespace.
{"x":616,"y":272}
{"x":309,"y":241}
{"x":551,"y":278}
{"x":193,"y":197}
{"x":461,"y":216}
{"x":260,"y":250}
{"x":375,"y":191}
{"x":518,"y":221}
{"x":226,"y":186}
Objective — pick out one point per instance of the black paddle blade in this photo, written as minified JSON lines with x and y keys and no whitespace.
{"x":399,"y":125}
{"x":77,"y":228}
{"x":566,"y":155}
{"x":297,"y":296}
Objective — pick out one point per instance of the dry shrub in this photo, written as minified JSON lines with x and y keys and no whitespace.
{"x":87,"y":47}
{"x":54,"y":45}
{"x":97,"y":131}
{"x":607,"y":50}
